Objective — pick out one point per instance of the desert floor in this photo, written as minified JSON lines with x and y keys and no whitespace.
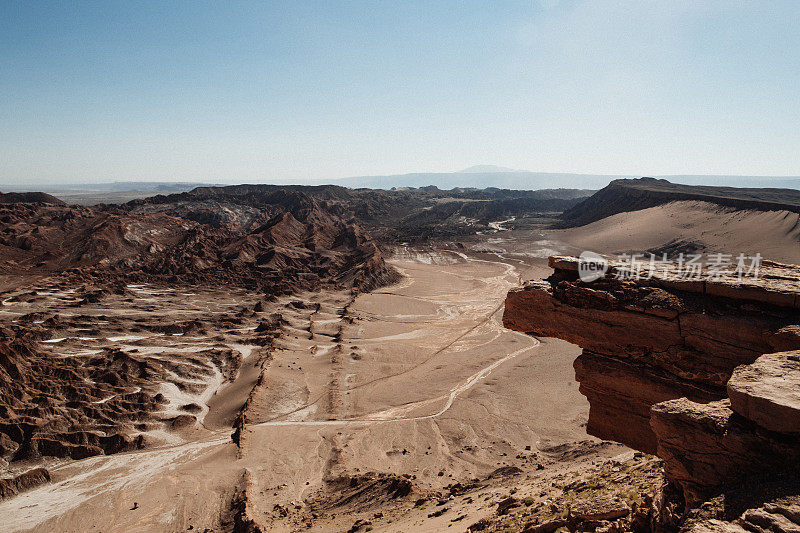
{"x":416,"y":383}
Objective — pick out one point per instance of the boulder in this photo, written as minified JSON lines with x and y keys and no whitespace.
{"x":707,"y":448}
{"x":545,"y":527}
{"x":768,"y":391}
{"x":599,"y":508}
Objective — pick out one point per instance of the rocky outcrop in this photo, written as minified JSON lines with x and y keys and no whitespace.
{"x":69,"y":408}
{"x":244,"y":516}
{"x":599,"y":508}
{"x":769,"y":504}
{"x":782,"y":514}
{"x":682,"y":368}
{"x":768,"y":391}
{"x":32,"y":478}
{"x":103,"y":403}
{"x":657,"y":339}
{"x":708,"y":447}
{"x":711,"y":446}
{"x":292,"y":243}
{"x":621,"y":393}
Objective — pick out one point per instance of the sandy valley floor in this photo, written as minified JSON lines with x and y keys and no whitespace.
{"x":414,"y":385}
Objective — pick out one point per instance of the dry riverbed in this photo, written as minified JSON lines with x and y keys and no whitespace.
{"x":373,"y":408}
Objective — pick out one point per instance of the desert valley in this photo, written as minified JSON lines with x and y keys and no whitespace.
{"x":520,"y":266}
{"x":286,"y":358}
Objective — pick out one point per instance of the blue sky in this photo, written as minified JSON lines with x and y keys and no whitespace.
{"x":249,"y":92}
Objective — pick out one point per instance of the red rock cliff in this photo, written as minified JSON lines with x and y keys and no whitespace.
{"x":658,"y":359}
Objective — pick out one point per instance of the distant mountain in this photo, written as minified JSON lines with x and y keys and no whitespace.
{"x":475,"y":177}
{"x":29,"y":198}
{"x":486,"y":176}
{"x":272,"y":240}
{"x":507,"y":179}
{"x":486,"y":168}
{"x":392,"y":216}
{"x":116,"y":192}
{"x":636,"y":194}
{"x":112,"y":186}
{"x":770,"y":182}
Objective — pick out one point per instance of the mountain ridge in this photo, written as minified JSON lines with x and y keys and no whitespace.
{"x":637,"y":194}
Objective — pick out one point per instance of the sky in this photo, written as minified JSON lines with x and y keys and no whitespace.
{"x":262,"y":91}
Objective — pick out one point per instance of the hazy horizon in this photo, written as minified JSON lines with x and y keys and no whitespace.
{"x":298,"y":91}
{"x":478,"y":176}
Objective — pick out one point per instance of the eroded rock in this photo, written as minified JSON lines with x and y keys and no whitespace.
{"x":661,"y":356}
{"x":652,"y":340}
{"x":599,"y":508}
{"x":768,"y":391}
{"x":708,"y":447}
{"x":12,"y":486}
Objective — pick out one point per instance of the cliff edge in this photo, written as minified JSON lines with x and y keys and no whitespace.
{"x":702,"y":372}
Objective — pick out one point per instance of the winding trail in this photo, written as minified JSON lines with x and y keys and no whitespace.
{"x":80,"y":481}
{"x":407,"y":282}
{"x":376,"y":418}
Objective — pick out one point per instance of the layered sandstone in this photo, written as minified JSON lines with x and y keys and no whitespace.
{"x":657,"y":339}
{"x":768,"y":391}
{"x":662,"y":355}
{"x":709,"y":447}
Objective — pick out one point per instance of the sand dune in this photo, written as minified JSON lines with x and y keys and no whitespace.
{"x":773,"y":234}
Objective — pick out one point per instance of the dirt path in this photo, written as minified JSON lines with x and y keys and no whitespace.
{"x":418,"y":379}
{"x":391,"y":415}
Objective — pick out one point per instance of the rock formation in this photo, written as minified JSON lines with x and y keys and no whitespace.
{"x":701,"y":372}
{"x":291,"y":243}
{"x":401,"y":215}
{"x":70,"y":407}
{"x":768,"y":391}
{"x":633,"y":194}
{"x":108,"y":400}
{"x":12,"y":486}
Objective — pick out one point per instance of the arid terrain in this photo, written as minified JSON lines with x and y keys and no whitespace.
{"x":414,"y":379}
{"x":259,"y":358}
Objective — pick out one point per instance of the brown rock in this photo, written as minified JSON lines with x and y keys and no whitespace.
{"x":183,"y":421}
{"x":7,"y":446}
{"x":707,"y":447}
{"x":620,"y":395}
{"x":787,"y":338}
{"x":599,"y":508}
{"x":561,"y":262}
{"x":504,"y":506}
{"x":777,"y":515}
{"x":545,"y":527}
{"x":714,"y":526}
{"x":649,"y":342}
{"x":768,"y":391}
{"x":13,"y":486}
{"x":787,"y":506}
{"x":505,"y":471}
{"x":763,"y":520}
